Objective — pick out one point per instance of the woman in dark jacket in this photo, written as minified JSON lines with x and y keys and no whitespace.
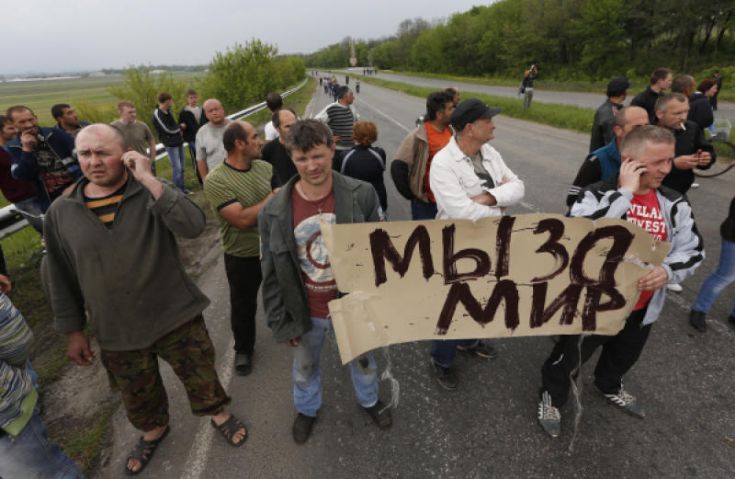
{"x":720,"y":278}
{"x":700,"y":110}
{"x":365,"y":161}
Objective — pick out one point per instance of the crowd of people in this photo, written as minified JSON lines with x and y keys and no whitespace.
{"x":113,"y":270}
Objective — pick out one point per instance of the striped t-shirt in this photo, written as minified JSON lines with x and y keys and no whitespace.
{"x":225,"y":185}
{"x":105,"y":208}
{"x":341,"y":119}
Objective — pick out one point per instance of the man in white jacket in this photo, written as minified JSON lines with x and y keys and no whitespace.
{"x":470,"y":181}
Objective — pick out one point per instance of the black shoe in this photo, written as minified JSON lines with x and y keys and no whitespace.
{"x":731,"y":320}
{"x":243,"y":363}
{"x":482,"y":349}
{"x":698,"y":320}
{"x":302,"y":427}
{"x":380,"y":414}
{"x":446,"y":377}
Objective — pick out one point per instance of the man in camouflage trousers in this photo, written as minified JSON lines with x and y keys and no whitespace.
{"x":113,"y":261}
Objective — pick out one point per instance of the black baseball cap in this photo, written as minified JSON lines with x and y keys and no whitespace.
{"x":469,"y":111}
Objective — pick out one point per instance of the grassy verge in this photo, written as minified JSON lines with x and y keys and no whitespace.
{"x":560,"y":116}
{"x":636,"y":84}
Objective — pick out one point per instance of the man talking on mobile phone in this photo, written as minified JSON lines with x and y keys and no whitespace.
{"x":636,"y":195}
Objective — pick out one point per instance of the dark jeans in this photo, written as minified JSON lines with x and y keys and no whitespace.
{"x":421,"y":210}
{"x":619,"y":354}
{"x":193,"y":156}
{"x":444,"y":352}
{"x":244,"y":277}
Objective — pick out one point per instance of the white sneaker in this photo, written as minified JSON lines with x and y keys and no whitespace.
{"x":676,"y":288}
{"x":695,"y":185}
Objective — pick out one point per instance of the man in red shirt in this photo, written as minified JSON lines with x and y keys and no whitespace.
{"x":637,"y":196}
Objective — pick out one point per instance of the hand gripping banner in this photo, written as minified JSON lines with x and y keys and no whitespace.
{"x":525,"y":275}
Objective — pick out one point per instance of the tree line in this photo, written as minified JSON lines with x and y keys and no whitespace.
{"x":570,"y":39}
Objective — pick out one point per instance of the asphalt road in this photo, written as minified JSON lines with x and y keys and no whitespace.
{"x":488,"y":427}
{"x":726,"y":110}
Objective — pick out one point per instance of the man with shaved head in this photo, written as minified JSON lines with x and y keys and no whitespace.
{"x":275,"y":152}
{"x":237,"y":189}
{"x":113,"y":263}
{"x":210,"y":150}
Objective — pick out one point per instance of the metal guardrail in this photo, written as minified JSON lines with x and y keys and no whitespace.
{"x":11,"y":221}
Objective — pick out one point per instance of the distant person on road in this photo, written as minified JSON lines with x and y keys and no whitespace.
{"x":638,"y":197}
{"x":719,"y":279}
{"x":602,"y":125}
{"x":137,"y":134}
{"x":275,"y":152}
{"x":43,"y":155}
{"x":661,"y":79}
{"x":210,"y":148}
{"x":603,"y":164}
{"x":25,"y":450}
{"x":527,"y":86}
{"x":357,"y":86}
{"x":22,"y":194}
{"x":470,"y":181}
{"x":191,"y":118}
{"x":169,"y":133}
{"x":67,"y":119}
{"x":340,"y":116}
{"x":274,"y":102}
{"x":123,"y":277}
{"x":365,"y":161}
{"x":297,"y":279}
{"x":412,"y":162}
{"x":717,"y":77}
{"x":237,"y":189}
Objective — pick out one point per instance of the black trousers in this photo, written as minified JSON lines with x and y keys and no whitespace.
{"x":244,"y":277}
{"x":619,"y":354}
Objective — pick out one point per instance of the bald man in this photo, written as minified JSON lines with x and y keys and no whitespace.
{"x":210,"y":151}
{"x":113,"y":263}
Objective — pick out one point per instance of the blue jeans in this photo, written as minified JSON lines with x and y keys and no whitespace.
{"x":718,"y":280}
{"x":176,"y":157}
{"x":444,"y":352}
{"x":421,"y":210}
{"x":30,"y":454}
{"x":307,"y":385}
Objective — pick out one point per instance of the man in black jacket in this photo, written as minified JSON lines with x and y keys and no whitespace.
{"x":661,"y":79}
{"x":169,"y":133}
{"x":191,"y":118}
{"x":602,"y":126}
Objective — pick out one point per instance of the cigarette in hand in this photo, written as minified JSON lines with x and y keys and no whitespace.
{"x":683,"y":126}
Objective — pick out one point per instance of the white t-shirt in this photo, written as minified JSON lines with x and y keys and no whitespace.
{"x":209,"y":144}
{"x":270,"y":131}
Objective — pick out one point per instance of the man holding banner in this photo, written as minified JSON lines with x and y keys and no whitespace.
{"x":470,"y":181}
{"x":636,"y":195}
{"x":298,"y":280}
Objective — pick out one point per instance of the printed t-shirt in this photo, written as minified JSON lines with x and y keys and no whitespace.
{"x":225,"y":185}
{"x":645,"y":212}
{"x":312,"y":252}
{"x":437,"y":140}
{"x":55,"y":174}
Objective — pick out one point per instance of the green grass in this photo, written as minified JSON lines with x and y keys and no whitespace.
{"x":560,"y":116}
{"x":41,"y":95}
{"x":636,"y":84}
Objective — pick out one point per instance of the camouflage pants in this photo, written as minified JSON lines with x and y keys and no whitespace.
{"x":135,"y":374}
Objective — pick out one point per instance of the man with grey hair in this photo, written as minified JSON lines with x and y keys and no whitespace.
{"x":298,"y":281}
{"x":209,"y":147}
{"x":635,"y":195}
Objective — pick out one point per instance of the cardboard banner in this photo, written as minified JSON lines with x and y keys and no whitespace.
{"x":525,"y":275}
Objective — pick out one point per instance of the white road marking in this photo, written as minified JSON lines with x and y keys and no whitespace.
{"x":196,"y":462}
{"x":386,"y":116}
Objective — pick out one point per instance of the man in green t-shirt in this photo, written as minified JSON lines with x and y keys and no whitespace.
{"x":237,"y":189}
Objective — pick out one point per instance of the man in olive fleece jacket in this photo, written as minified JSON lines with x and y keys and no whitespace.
{"x":113,"y":258}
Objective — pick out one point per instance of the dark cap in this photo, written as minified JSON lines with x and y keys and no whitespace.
{"x":617,"y":86}
{"x":469,"y":111}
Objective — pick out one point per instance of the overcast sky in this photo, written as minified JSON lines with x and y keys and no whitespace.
{"x":53,"y":35}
